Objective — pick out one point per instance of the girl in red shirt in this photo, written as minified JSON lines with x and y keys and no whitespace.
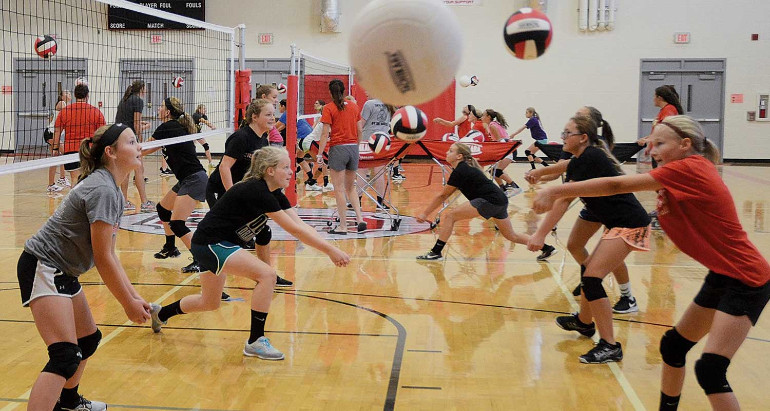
{"x":697,"y":212}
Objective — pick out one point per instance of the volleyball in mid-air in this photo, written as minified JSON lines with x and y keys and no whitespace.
{"x":45,"y":46}
{"x":378,"y":141}
{"x":527,"y":33}
{"x":464,"y":81}
{"x":177,"y":82}
{"x":473,"y":136}
{"x":281,"y":88}
{"x":474,"y":80}
{"x":405,"y":51}
{"x":450,"y":137}
{"x":409,"y":124}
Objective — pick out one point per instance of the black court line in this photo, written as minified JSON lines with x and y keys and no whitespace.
{"x":398,"y":354}
{"x":431,"y":351}
{"x":418,"y":387}
{"x":133,"y":407}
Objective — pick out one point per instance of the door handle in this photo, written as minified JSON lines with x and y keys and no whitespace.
{"x":707,"y":120}
{"x":689,"y":98}
{"x":32,"y":114}
{"x":648,"y":120}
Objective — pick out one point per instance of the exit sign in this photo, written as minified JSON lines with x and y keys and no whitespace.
{"x":682,"y":38}
{"x":156,"y":38}
{"x":265,"y":38}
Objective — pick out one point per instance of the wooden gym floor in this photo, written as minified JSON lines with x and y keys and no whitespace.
{"x":475,"y":331}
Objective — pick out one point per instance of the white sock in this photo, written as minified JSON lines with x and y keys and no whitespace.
{"x":625,"y":290}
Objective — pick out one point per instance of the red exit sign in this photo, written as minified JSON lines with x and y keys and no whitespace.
{"x":682,"y":38}
{"x":265,"y":38}
{"x":156,"y":38}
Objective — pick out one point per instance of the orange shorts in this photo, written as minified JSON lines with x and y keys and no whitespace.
{"x":637,"y":238}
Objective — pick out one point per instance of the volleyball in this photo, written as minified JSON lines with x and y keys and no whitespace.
{"x":405,"y":51}
{"x":305,"y":143}
{"x":473,"y":136}
{"x":464,"y":81}
{"x":450,"y":137}
{"x":177,"y":82}
{"x":378,"y":141}
{"x":527,"y":33}
{"x":409,"y":124}
{"x":45,"y":46}
{"x":281,"y":88}
{"x":474,"y":80}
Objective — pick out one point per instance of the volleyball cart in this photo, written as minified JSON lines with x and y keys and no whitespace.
{"x":487,"y":154}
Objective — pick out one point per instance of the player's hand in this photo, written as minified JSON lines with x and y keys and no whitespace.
{"x":535,"y":243}
{"x":532,"y":176}
{"x":543,"y":201}
{"x":145,"y":125}
{"x":137,"y":310}
{"x":339,"y":257}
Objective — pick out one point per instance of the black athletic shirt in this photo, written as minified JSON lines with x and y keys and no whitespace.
{"x":240,"y":213}
{"x":181,"y":157}
{"x":474,"y":184}
{"x":619,"y":210}
{"x":240,"y":146}
{"x":197,"y":119}
{"x":127,"y":108}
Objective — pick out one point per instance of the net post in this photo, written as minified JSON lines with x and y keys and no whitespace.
{"x":291,"y":133}
{"x":242,"y":95}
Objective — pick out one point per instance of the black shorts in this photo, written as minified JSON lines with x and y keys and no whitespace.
{"x":733,"y":297}
{"x":39,"y":280}
{"x":489,"y":210}
{"x":586,"y":214}
{"x":193,"y":185}
{"x":73,"y":165}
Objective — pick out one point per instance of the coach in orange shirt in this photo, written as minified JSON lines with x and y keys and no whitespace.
{"x":78,"y":121}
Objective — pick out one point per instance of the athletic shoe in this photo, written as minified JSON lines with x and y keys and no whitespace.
{"x":335,"y":231}
{"x":63,"y":182}
{"x":576,"y":291}
{"x":282,"y":282}
{"x":53,"y":188}
{"x":625,"y":305}
{"x":84,"y":405}
{"x":399,"y":177}
{"x":382,"y":207}
{"x":262,"y":349}
{"x":430,"y":255}
{"x":129,"y":206}
{"x":328,"y":187}
{"x":225,"y":296}
{"x":147,"y":207}
{"x":572,"y":323}
{"x":313,"y":187}
{"x":361,"y":227}
{"x":167,"y":253}
{"x":166,"y":172}
{"x":546,"y":252}
{"x":156,"y":324}
{"x":603,"y":352}
{"x":193,"y":267}
{"x":655,"y":224}
{"x":513,"y":191}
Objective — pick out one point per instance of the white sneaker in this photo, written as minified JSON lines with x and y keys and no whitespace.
{"x":313,"y":187}
{"x":156,"y":323}
{"x":328,"y":187}
{"x":262,"y":349}
{"x":147,"y":207}
{"x":53,"y":188}
{"x":129,"y":206}
{"x":86,"y":405}
{"x":63,"y":182}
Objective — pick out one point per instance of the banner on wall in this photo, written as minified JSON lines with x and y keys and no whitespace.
{"x":462,"y":2}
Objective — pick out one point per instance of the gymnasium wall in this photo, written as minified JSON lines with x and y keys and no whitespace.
{"x":599,"y":68}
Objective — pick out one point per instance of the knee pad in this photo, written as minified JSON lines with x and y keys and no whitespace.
{"x":163,"y":214}
{"x":582,"y":271}
{"x":300,"y":160}
{"x":527,"y":153}
{"x":178,"y":228}
{"x":63,"y":359}
{"x":89,"y":343}
{"x":674,"y":348}
{"x":263,"y":237}
{"x":592,"y":288}
{"x":498,"y":172}
{"x":711,"y":371}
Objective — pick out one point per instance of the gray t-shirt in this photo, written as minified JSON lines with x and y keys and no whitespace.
{"x":376,"y":118}
{"x":127,"y":108}
{"x":64,"y":241}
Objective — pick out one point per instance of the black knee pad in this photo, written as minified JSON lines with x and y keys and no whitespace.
{"x":263,"y":237}
{"x":89,"y":343}
{"x":592,"y":288}
{"x":498,"y":172}
{"x":711,"y":371}
{"x":63,"y":359}
{"x":178,"y":228}
{"x":582,"y":271}
{"x":163,"y":214}
{"x":674,"y":348}
{"x":300,"y":160}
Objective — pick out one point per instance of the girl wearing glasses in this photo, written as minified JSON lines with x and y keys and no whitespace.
{"x":627,"y":229}
{"x":696,"y":210}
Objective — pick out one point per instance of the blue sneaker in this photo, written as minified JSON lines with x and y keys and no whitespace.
{"x":262,"y":349}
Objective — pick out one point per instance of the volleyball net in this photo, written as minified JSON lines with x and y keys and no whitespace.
{"x":50,"y":46}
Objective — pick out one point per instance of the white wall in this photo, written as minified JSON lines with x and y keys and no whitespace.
{"x":599,"y":68}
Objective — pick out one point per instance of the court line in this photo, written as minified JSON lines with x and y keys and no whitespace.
{"x":633,"y":398}
{"x":418,"y":387}
{"x":113,"y":334}
{"x":133,"y":407}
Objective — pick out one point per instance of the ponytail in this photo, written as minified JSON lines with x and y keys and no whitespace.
{"x":587,"y":126}
{"x":607,"y":134}
{"x":496,"y":116}
{"x":92,"y":148}
{"x":670,"y":96}
{"x":337,"y":91}
{"x":465,"y":152}
{"x":135,"y":88}
{"x":533,"y":111}
{"x":175,"y":108}
{"x":687,"y":127}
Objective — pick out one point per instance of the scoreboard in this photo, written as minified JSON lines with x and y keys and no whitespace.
{"x":122,"y":19}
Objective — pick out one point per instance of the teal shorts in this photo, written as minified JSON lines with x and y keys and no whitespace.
{"x":212,"y":257}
